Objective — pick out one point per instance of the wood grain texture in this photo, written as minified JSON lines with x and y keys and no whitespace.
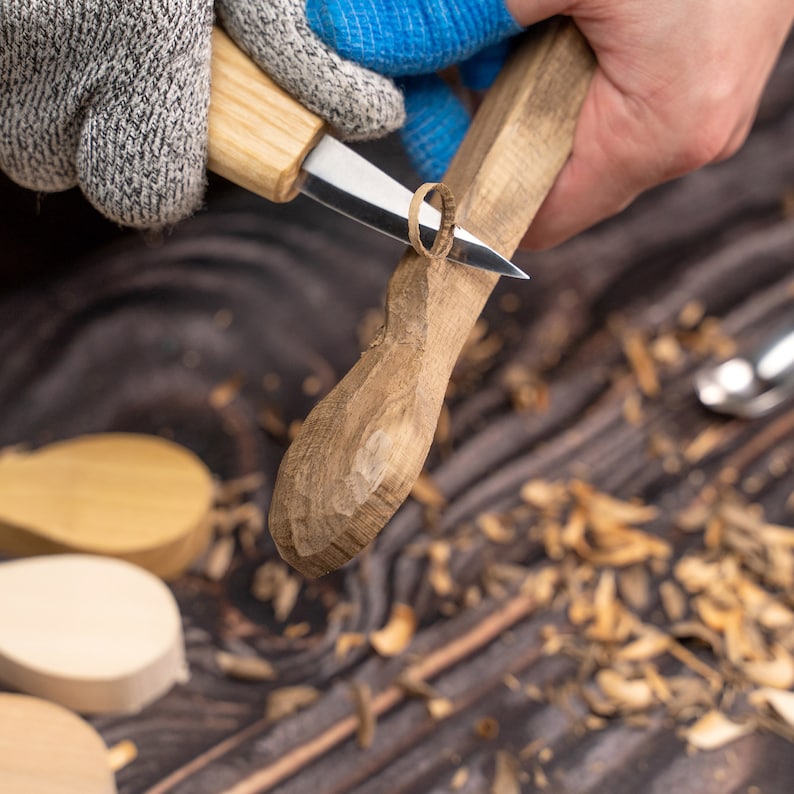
{"x":139,"y":498}
{"x":258,"y":134}
{"x":46,"y":749}
{"x":361,"y":449}
{"x":135,"y":338}
{"x":94,"y":634}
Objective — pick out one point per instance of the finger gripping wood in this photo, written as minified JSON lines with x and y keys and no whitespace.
{"x":362,"y":448}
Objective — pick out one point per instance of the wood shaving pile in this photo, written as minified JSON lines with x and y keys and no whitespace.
{"x":708,"y":639}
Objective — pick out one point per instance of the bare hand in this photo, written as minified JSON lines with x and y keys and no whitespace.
{"x":677,"y":87}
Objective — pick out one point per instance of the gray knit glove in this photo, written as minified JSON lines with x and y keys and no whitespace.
{"x":112,"y":95}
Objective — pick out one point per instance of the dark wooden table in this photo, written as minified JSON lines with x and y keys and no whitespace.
{"x":105,"y":330}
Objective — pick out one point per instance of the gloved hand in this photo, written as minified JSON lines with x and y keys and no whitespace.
{"x":677,"y":85}
{"x":113,"y":94}
{"x":412,"y":40}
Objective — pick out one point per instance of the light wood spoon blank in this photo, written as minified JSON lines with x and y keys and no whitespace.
{"x":137,"y":497}
{"x":95,"y":634}
{"x":361,"y":449}
{"x":46,"y":749}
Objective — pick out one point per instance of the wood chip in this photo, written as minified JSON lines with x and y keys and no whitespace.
{"x":691,"y":314}
{"x":634,"y":585}
{"x":649,"y":645}
{"x":223,"y":393}
{"x":782,"y":702}
{"x":496,"y":527}
{"x":439,"y":708}
{"x":362,"y":695}
{"x":245,"y":668}
{"x":230,"y":491}
{"x":439,"y":576}
{"x":607,"y":511}
{"x":543,"y":494}
{"x":505,"y":780}
{"x":415,"y":687}
{"x":287,"y":700}
{"x":346,"y":642}
{"x":121,"y":754}
{"x":704,"y":443}
{"x":714,"y":730}
{"x":674,"y":602}
{"x":397,"y":634}
{"x":632,"y":409}
{"x":627,"y":694}
{"x":777,"y":672}
{"x":219,"y":558}
{"x":635,"y":347}
{"x":274,"y":583}
{"x":459,"y":779}
{"x":295,"y":631}
{"x":427,"y":493}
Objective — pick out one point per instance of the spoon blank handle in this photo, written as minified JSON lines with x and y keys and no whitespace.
{"x":362,"y":448}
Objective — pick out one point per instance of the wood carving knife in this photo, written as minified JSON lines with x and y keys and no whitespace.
{"x":265,"y":141}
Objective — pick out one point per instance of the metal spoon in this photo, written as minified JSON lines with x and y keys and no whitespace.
{"x":752,"y":385}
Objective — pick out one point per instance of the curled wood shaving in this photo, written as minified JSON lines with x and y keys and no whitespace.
{"x":714,"y":730}
{"x":397,"y":634}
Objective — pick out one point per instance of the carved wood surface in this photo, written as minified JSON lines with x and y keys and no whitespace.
{"x":115,"y":332}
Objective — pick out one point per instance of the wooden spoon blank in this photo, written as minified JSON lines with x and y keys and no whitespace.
{"x":46,"y":749}
{"x":95,"y":634}
{"x":362,"y":448}
{"x":137,"y":497}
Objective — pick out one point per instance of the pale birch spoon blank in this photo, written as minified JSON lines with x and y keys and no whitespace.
{"x":137,"y":497}
{"x":94,"y":634}
{"x":361,"y":449}
{"x":46,"y":749}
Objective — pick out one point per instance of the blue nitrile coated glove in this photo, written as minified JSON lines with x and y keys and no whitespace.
{"x":411,"y":40}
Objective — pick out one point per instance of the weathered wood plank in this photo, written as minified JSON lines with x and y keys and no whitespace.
{"x":135,"y":336}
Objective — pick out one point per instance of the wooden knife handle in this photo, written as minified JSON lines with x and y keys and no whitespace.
{"x":361,"y":449}
{"x":258,"y":134}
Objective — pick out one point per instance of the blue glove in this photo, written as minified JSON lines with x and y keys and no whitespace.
{"x":411,"y":40}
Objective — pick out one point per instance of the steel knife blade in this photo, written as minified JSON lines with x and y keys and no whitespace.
{"x":264,"y":140}
{"x":342,"y":179}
